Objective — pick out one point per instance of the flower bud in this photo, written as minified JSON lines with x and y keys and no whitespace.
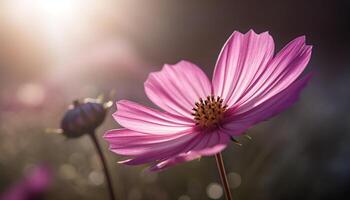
{"x":84,"y":117}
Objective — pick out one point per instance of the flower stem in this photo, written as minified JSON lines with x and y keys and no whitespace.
{"x":222,"y":172}
{"x":104,"y":164}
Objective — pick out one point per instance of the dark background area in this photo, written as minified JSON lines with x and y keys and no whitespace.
{"x":53,"y":54}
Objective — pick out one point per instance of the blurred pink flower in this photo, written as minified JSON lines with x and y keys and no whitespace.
{"x":249,"y":85}
{"x":32,"y":187}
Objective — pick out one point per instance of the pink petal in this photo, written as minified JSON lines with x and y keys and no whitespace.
{"x":282,"y":70}
{"x":185,"y":157}
{"x":147,"y":120}
{"x":160,"y":149}
{"x":177,"y":87}
{"x":242,"y":60}
{"x":164,"y":150}
{"x":131,"y":143}
{"x":235,"y":123}
{"x":212,"y":143}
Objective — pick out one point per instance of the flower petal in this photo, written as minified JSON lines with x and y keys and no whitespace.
{"x":283,"y":70}
{"x":242,"y":60}
{"x":236,"y":123}
{"x":185,"y":157}
{"x":165,"y":149}
{"x":177,"y":87}
{"x":210,"y":144}
{"x":147,"y":120}
{"x":158,"y":149}
{"x":131,"y":143}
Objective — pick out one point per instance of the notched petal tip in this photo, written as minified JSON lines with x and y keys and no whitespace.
{"x":120,"y":105}
{"x":184,"y":62}
{"x":177,"y":64}
{"x":309,"y":48}
{"x":253,"y":32}
{"x":234,"y":34}
{"x":299,"y":40}
{"x":108,"y":134}
{"x":123,"y":101}
{"x":303,"y":37}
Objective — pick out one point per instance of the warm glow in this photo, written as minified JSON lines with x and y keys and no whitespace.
{"x":70,"y":37}
{"x":58,"y":8}
{"x":55,"y":20}
{"x":47,"y":11}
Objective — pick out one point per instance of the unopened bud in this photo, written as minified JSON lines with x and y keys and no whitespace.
{"x":84,"y":117}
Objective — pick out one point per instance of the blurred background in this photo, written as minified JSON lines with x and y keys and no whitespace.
{"x":55,"y":51}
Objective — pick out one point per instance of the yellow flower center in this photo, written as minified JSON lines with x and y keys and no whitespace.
{"x":209,"y":112}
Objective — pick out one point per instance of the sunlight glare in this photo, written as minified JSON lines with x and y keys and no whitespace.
{"x":55,"y":19}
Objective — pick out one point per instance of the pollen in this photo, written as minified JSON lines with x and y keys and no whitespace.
{"x":209,"y":112}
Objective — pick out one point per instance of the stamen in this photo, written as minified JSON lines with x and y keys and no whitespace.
{"x":209,"y":112}
{"x":235,"y":141}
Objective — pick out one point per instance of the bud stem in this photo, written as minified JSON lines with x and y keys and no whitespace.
{"x":222,"y":172}
{"x":104,"y":164}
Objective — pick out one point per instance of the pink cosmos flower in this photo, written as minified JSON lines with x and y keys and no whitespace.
{"x":250,"y":84}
